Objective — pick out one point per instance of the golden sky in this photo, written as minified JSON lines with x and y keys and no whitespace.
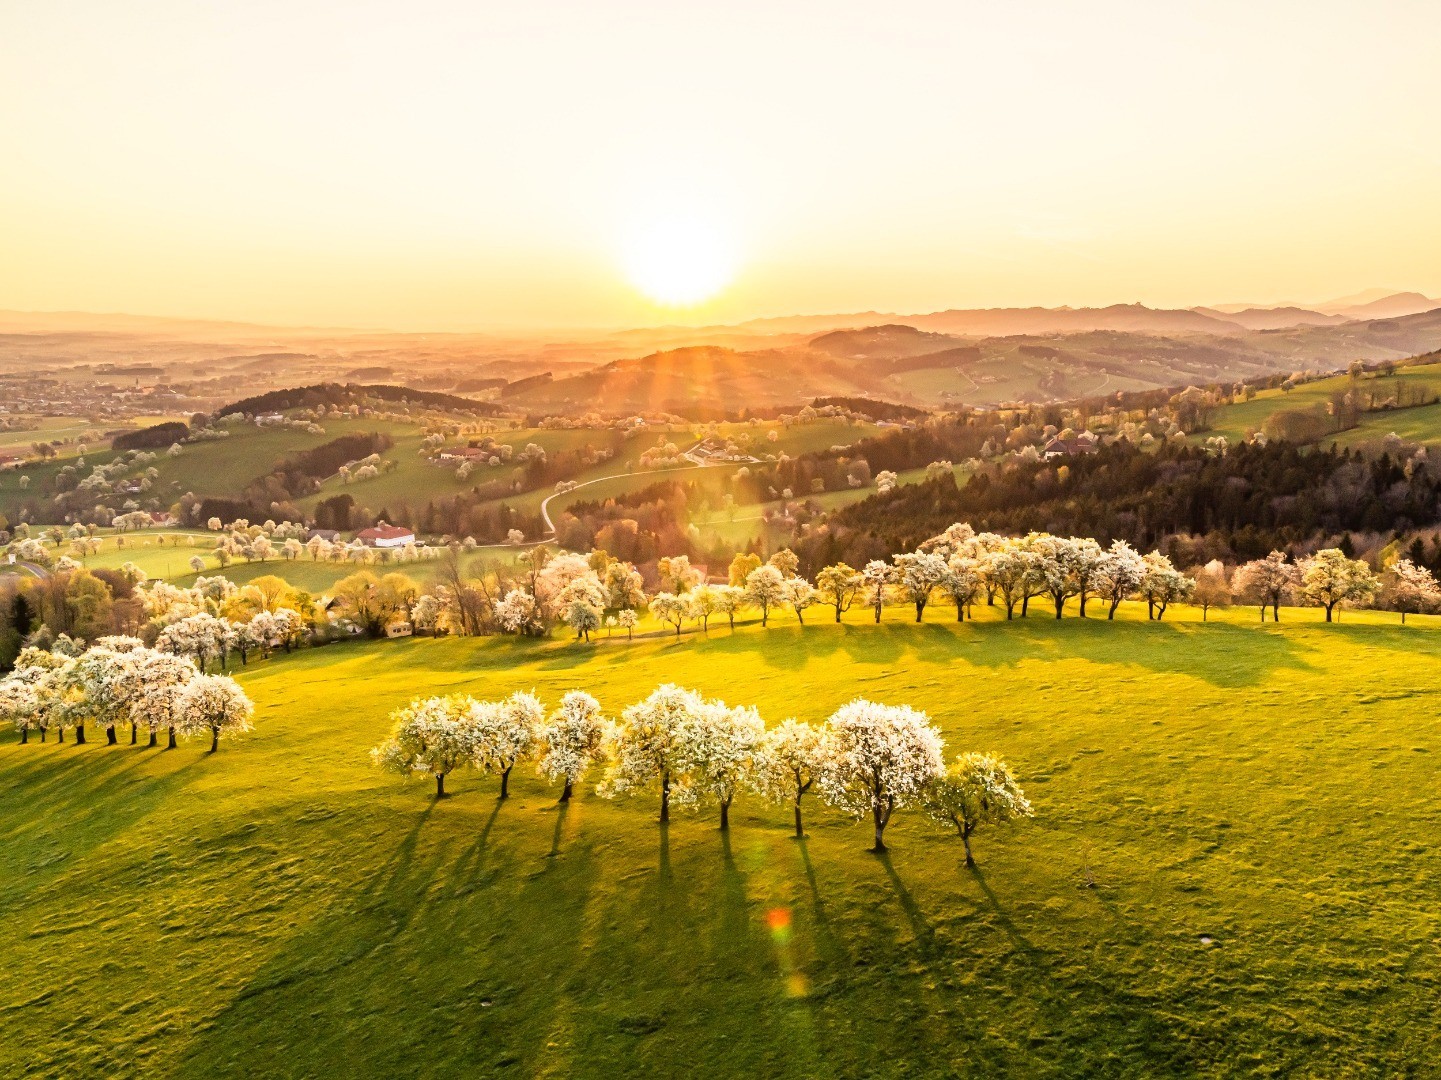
{"x":457,"y":165}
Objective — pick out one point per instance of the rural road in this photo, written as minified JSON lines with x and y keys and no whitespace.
{"x":545,"y":503}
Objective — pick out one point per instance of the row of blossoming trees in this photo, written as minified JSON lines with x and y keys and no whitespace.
{"x":962,"y":568}
{"x":867,"y":759}
{"x":115,"y":683}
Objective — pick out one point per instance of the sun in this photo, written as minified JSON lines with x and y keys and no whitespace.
{"x":679,"y":260}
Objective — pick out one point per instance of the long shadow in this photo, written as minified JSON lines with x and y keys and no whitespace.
{"x":561,"y":812}
{"x":833,"y":950}
{"x":788,"y":648}
{"x":469,"y":863}
{"x":346,"y":944}
{"x":1222,"y":654}
{"x":82,"y":811}
{"x":924,"y":932}
{"x":999,"y":913}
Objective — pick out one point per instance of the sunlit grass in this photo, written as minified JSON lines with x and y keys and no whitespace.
{"x":1232,"y":869}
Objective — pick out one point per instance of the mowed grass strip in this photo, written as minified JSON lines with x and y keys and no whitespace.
{"x":1233,"y":869}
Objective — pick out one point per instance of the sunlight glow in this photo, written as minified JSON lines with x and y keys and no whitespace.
{"x":679,"y":260}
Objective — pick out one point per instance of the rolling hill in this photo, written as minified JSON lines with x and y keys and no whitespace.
{"x":1232,"y":864}
{"x":913,"y":364}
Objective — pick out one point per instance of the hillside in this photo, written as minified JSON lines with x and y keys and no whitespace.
{"x":1276,"y":318}
{"x":279,"y":907}
{"x":704,"y":378}
{"x":1131,"y":318}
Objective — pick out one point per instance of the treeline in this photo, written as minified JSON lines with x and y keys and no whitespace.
{"x":866,"y":760}
{"x":956,"y":437}
{"x":155,"y":437}
{"x":638,"y":526}
{"x":79,"y":604}
{"x":298,"y":474}
{"x":327,"y":395}
{"x":471,"y":513}
{"x":876,"y":410}
{"x":1242,"y":504}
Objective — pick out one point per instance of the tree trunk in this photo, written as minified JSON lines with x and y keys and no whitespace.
{"x":1276,"y":611}
{"x":799,"y":831}
{"x":1204,"y":608}
{"x":966,"y":839}
{"x":838,"y":613}
{"x":1083,"y":603}
{"x":880,"y":823}
{"x":1115,"y":603}
{"x":725,"y":815}
{"x":171,"y":744}
{"x":134,"y":732}
{"x":1403,"y":618}
{"x":110,"y":739}
{"x":879,"y":604}
{"x":80,"y":734}
{"x":1010,"y":610}
{"x":1060,"y":603}
{"x":440,"y":785}
{"x":24,"y":735}
{"x":733,"y":619}
{"x":60,"y":734}
{"x":664,"y":797}
{"x":214,"y":739}
{"x":1025,"y":606}
{"x":960,"y":611}
{"x":505,"y":782}
{"x":152,"y":737}
{"x":565,"y":793}
{"x":1328,"y":611}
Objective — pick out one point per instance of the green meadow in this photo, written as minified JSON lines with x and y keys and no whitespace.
{"x":1233,"y":868}
{"x":1419,"y":424}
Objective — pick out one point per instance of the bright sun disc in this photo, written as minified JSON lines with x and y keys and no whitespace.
{"x":680,"y":261}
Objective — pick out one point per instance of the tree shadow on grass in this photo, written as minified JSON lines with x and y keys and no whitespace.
{"x":923,"y":931}
{"x":1415,"y":642}
{"x":86,"y":804}
{"x":1222,"y":654}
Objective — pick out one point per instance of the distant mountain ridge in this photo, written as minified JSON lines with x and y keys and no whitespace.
{"x":900,"y":362}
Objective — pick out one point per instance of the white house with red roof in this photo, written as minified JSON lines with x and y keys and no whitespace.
{"x":386,"y":536}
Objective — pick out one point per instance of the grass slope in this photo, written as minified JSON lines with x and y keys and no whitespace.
{"x":280,"y":909}
{"x":1421,"y":424}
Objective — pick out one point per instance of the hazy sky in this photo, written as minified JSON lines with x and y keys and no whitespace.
{"x":467,"y":164}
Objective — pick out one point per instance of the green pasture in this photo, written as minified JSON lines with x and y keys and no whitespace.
{"x":1420,"y":424}
{"x":1233,"y":870}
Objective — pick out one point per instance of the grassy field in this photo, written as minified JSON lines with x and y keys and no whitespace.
{"x":1422,"y":424}
{"x":747,"y":523}
{"x":1233,"y":869}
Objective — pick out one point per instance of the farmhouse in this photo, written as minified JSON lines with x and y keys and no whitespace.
{"x":386,"y":536}
{"x":466,"y":453}
{"x":1085,"y":443}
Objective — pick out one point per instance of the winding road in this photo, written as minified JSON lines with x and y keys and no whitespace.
{"x":689,"y":455}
